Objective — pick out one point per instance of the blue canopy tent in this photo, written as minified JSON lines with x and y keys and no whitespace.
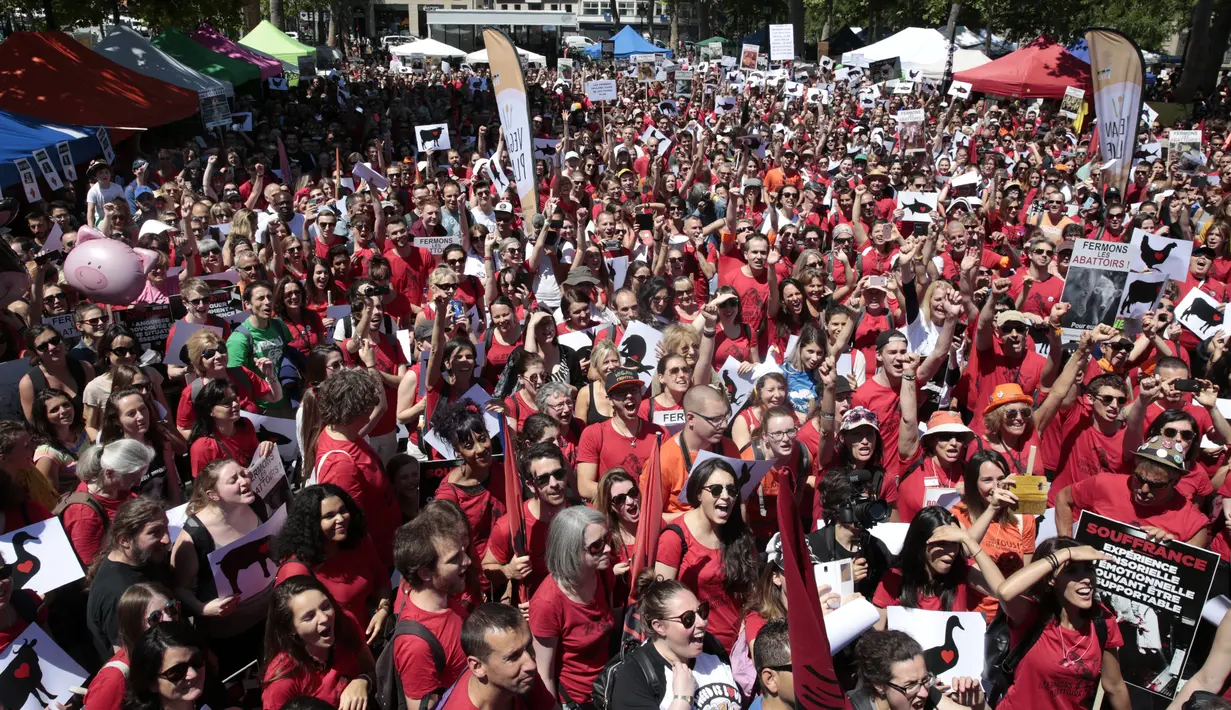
{"x":21,"y":135}
{"x":627,"y":43}
{"x":1081,"y":51}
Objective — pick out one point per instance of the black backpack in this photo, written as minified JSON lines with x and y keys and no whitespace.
{"x":1003,"y":659}
{"x":389,"y":693}
{"x":603,"y":694}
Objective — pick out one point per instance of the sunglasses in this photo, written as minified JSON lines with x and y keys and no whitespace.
{"x":451,"y":286}
{"x":1015,"y":328}
{"x":559,"y":474}
{"x":716,"y":489}
{"x":1107,"y":399}
{"x":1172,"y":433}
{"x":597,"y":547}
{"x":212,"y":252}
{"x":689,"y":618}
{"x":172,"y":610}
{"x":618,"y":500}
{"x":741,"y":230}
{"x":208,"y":353}
{"x":55,"y":297}
{"x":790,"y":194}
{"x":1116,"y":215}
{"x":455,"y":262}
{"x":53,"y":342}
{"x":1017,"y":413}
{"x":193,"y":301}
{"x":1042,"y":252}
{"x":1152,"y":485}
{"x":178,"y":672}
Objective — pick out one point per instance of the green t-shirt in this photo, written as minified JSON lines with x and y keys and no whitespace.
{"x":248,"y":342}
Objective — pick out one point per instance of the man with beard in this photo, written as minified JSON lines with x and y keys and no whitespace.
{"x":501,"y":673}
{"x":545,"y":473}
{"x":430,"y":553}
{"x":138,"y":551}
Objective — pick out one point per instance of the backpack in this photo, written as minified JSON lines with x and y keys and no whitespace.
{"x":83,"y":498}
{"x":603,"y":694}
{"x":389,"y":694}
{"x":1002,"y":660}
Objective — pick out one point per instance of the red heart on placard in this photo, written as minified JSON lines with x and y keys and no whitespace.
{"x":948,"y":656}
{"x":23,"y":671}
{"x":25,"y":567}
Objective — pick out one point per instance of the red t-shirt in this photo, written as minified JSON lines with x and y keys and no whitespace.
{"x":582,"y":632}
{"x":739,"y":347}
{"x":496,"y":358}
{"x":389,"y":357}
{"x":518,"y":408}
{"x":909,"y":492}
{"x":989,"y":368}
{"x":19,"y":625}
{"x":355,"y":468}
{"x":889,"y":593}
{"x":1047,"y":677}
{"x":240,"y":446}
{"x":1085,"y":451}
{"x":106,"y":690}
{"x":885,"y":402}
{"x":83,"y":526}
{"x":537,"y":698}
{"x":352,"y":576}
{"x":501,"y":545}
{"x":482,"y":510}
{"x":702,"y":571}
{"x":410,"y":273}
{"x":604,"y":446}
{"x":321,"y":683}
{"x":1110,"y":495}
{"x":753,"y":292}
{"x":1043,"y":294}
{"x":254,"y":386}
{"x":413,"y":658}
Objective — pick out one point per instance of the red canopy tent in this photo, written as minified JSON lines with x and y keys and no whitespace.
{"x":1041,"y":69}
{"x":53,"y":77}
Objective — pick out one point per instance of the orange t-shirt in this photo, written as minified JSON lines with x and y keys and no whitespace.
{"x":1006,"y":544}
{"x":776,"y":178}
{"x":675,"y":471}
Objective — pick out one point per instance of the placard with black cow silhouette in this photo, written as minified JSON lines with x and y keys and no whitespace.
{"x":36,"y":673}
{"x":952,"y":641}
{"x":41,"y":557}
{"x":1141,"y":293}
{"x":245,"y":567}
{"x":433,"y":137}
{"x":748,"y":474}
{"x":1155,"y":252}
{"x":918,"y":206}
{"x":638,"y":349}
{"x":1201,"y":314}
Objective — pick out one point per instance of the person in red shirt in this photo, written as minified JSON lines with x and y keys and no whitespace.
{"x":218,"y":430}
{"x":1035,"y":289}
{"x":411,"y":265}
{"x":570,"y":614}
{"x":313,"y":649}
{"x":752,"y":281}
{"x":430,"y":553}
{"x":1146,"y":498}
{"x":502,"y":673}
{"x":623,"y":441}
{"x":933,"y":460}
{"x":108,"y":474}
{"x":348,"y":399}
{"x":377,"y":353}
{"x":143,"y":605}
{"x":1070,"y":639}
{"x":545,"y":473}
{"x":519,"y":405}
{"x":207,"y":358}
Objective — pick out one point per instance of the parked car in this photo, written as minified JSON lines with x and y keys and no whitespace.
{"x":394,"y":40}
{"x":577,"y":42}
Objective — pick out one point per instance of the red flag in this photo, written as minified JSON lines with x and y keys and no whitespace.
{"x":650,"y":524}
{"x":816,"y":683}
{"x":512,"y":500}
{"x":284,"y":164}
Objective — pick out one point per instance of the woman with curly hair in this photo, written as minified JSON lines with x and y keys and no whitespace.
{"x":325,"y":536}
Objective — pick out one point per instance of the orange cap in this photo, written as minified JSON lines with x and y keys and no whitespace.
{"x":1007,"y":393}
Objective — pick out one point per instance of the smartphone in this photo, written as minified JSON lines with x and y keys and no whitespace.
{"x":550,"y":239}
{"x":556,"y":223}
{"x":1187,"y":385}
{"x":457,"y":309}
{"x":878,"y":282}
{"x":645,"y":222}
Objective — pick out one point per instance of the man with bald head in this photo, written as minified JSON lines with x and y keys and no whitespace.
{"x":706,"y":416}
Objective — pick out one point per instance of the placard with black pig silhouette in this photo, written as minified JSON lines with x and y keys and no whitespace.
{"x":36,"y":673}
{"x":41,"y":556}
{"x":952,"y":641}
{"x":245,"y":566}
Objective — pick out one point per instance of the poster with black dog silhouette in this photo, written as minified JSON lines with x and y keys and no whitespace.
{"x":1155,"y":252}
{"x":1095,"y":285}
{"x":1200,"y":313}
{"x":433,"y":137}
{"x":35,"y":673}
{"x":41,"y":557}
{"x":748,"y":474}
{"x":952,"y":641}
{"x":1155,"y":591}
{"x":244,"y":567}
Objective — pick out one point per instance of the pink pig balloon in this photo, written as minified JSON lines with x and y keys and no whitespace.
{"x":106,"y":270}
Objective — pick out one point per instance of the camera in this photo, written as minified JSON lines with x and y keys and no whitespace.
{"x":866,"y":508}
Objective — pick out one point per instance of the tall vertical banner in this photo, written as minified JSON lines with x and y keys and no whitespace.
{"x":1118,"y":74}
{"x":510,"y":88}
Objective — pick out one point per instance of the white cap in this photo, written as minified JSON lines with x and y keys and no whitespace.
{"x":153,"y":226}
{"x":571,"y":155}
{"x":504,"y":207}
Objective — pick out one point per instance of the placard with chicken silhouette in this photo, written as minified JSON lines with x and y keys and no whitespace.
{"x":736,"y":386}
{"x":245,"y":567}
{"x":41,"y":557}
{"x":639,"y":349}
{"x":36,"y":673}
{"x":748,"y":474}
{"x":952,"y":641}
{"x":918,"y":206}
{"x":1155,"y":252}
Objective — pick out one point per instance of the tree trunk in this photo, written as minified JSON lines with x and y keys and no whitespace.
{"x":951,"y":28}
{"x":675,"y":26}
{"x":828,"y":29}
{"x":1198,"y":46}
{"x":331,"y":33}
{"x":115,"y":13}
{"x":275,"y":13}
{"x":252,"y":14}
{"x":615,"y":14}
{"x":1220,"y":34}
{"x":795,"y":10}
{"x":49,"y":16}
{"x":702,"y":8}
{"x":987,"y":41}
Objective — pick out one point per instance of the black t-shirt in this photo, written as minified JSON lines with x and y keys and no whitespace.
{"x":110,"y":583}
{"x":824,"y":546}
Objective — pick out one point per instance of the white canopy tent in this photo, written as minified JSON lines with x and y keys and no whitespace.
{"x":922,"y":49}
{"x":480,"y":57}
{"x":125,"y":47}
{"x":968,"y":39}
{"x":428,"y":48}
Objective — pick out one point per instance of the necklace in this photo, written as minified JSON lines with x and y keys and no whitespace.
{"x":1072,"y":656}
{"x":631,"y":435}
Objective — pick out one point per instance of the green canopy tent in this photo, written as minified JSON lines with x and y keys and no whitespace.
{"x":276,"y":43}
{"x":713,"y":41}
{"x":181,"y":47}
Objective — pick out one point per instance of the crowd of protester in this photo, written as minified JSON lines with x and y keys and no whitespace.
{"x":891,"y":357}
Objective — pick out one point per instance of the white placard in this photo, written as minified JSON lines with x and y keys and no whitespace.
{"x":269,"y":481}
{"x":848,"y":622}
{"x":41,"y":557}
{"x":480,"y":397}
{"x":436,"y":245}
{"x":245,"y":567}
{"x":278,"y":430}
{"x":672,"y":420}
{"x":54,"y":240}
{"x":63,"y":324}
{"x":29,"y":183}
{"x":736,"y":386}
{"x":619,"y":269}
{"x":177,"y":350}
{"x":65,"y":154}
{"x":281,"y":83}
{"x":944,"y":497}
{"x":892,"y":534}
{"x":748,"y":474}
{"x":919,"y":206}
{"x":601,"y":90}
{"x":36,"y":673}
{"x":1141,"y":293}
{"x":952,"y":641}
{"x":1201,"y":314}
{"x":104,"y":140}
{"x":373,"y":178}
{"x":781,"y":42}
{"x":1155,"y":252}
{"x":960,"y":89}
{"x":1070,"y":104}
{"x":432,"y":137}
{"x":176,"y":517}
{"x":638,"y":349}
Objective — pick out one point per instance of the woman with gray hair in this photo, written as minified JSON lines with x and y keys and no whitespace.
{"x":570,"y":615}
{"x":108,"y":473}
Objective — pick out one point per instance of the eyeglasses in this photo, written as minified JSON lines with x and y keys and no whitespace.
{"x":1017,"y":413}
{"x":1172,"y":433}
{"x":716,"y":489}
{"x":559,"y":474}
{"x":597,"y":547}
{"x":780,"y":435}
{"x":790,"y":194}
{"x":719,"y":422}
{"x":1152,"y":485}
{"x":633,"y":493}
{"x":53,"y":342}
{"x":1015,"y":328}
{"x":535,"y":379}
{"x":178,"y":672}
{"x":1107,"y":399}
{"x":172,"y":610}
{"x":124,"y":351}
{"x":689,"y":618}
{"x":911,"y":688}
{"x":55,"y":297}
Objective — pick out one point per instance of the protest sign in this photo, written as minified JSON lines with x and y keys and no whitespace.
{"x":724,"y":105}
{"x":781,"y":42}
{"x":646,"y":71}
{"x":35,"y":673}
{"x":564,"y":67}
{"x":1070,"y":105}
{"x":638,"y":349}
{"x":244,"y":567}
{"x":737,"y":387}
{"x":601,"y":90}
{"x":43,"y":160}
{"x":361,"y":171}
{"x":748,"y":474}
{"x":883,"y":70}
{"x":1200,"y":313}
{"x":281,"y":432}
{"x":1185,"y":150}
{"x":480,"y":397}
{"x":1156,"y":590}
{"x":432,"y":137}
{"x":854,"y":59}
{"x":29,"y":183}
{"x":952,"y":641}
{"x":672,"y":420}
{"x":436,"y":245}
{"x":748,"y":56}
{"x":104,"y":140}
{"x":910,"y":130}
{"x":269,"y":481}
{"x":215,"y":111}
{"x":1155,"y":252}
{"x":150,"y":322}
{"x":607,"y":49}
{"x":177,"y":350}
{"x":545,"y":149}
{"x":1095,"y":285}
{"x":919,"y":206}
{"x":64,"y":325}
{"x":960,"y":89}
{"x":41,"y":557}
{"x":1141,"y":293}
{"x":66,"y":160}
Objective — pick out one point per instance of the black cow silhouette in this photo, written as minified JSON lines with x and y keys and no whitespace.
{"x":547,"y":149}
{"x":1205,"y":311}
{"x":27,"y":565}
{"x":1153,"y":257}
{"x":730,"y":385}
{"x":939,"y":659}
{"x":1140,"y":292}
{"x":918,"y":207}
{"x":430,"y":135}
{"x":22,"y":678}
{"x":633,"y":352}
{"x":253,"y":552}
{"x":278,"y":438}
